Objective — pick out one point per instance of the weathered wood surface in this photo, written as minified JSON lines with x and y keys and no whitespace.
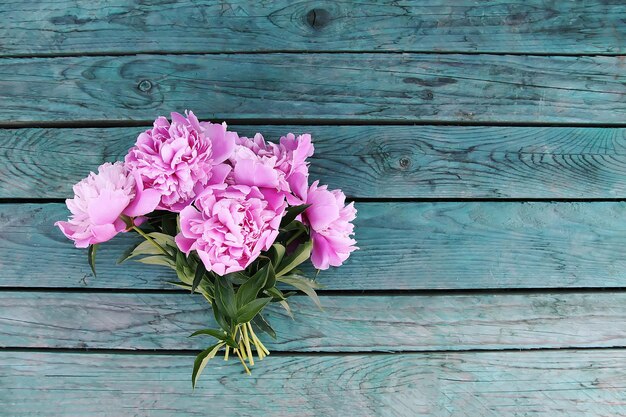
{"x":347,"y":323}
{"x":355,"y":75}
{"x":364,"y":161}
{"x":533,"y":383}
{"x":403,"y":246}
{"x":123,"y":26}
{"x":338,"y":87}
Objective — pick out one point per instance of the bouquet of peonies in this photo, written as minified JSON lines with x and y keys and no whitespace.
{"x":233,"y":216}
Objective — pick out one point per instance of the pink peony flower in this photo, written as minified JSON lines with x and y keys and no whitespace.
{"x":100,"y":199}
{"x":231,"y":225}
{"x":179,"y":159}
{"x":330,"y":221}
{"x":280,"y":166}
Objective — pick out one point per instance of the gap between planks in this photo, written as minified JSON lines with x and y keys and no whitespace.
{"x":391,"y":200}
{"x":341,"y":293}
{"x":99,"y":123}
{"x":114,"y":54}
{"x":194,"y":352}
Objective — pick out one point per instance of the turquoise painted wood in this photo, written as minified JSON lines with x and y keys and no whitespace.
{"x":404,"y":246}
{"x":124,"y":26}
{"x":532,"y":383}
{"x":492,"y":233}
{"x":364,"y":161}
{"x":346,"y":323}
{"x":324,"y":87}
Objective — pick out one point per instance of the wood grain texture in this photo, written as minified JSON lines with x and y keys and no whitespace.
{"x":124,"y":26}
{"x":338,"y":87}
{"x":403,"y":246}
{"x":347,"y":323}
{"x":495,"y":384}
{"x":364,"y":161}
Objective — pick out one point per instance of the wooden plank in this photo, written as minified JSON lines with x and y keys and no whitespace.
{"x":495,"y":384}
{"x":364,"y":161}
{"x":347,"y":324}
{"x":338,"y":87}
{"x":403,"y":246}
{"x":123,"y":26}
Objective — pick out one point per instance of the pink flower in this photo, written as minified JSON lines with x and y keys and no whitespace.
{"x":179,"y":159}
{"x":280,"y":166}
{"x":330,"y":220}
{"x":231,"y":226}
{"x":100,"y":199}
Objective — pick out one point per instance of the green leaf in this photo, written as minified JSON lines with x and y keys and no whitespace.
{"x":225,"y":298}
{"x":218,"y":334}
{"x":127,"y":253}
{"x":247,"y":312}
{"x":201,"y":360}
{"x":262,"y":324}
{"x":294,"y":227}
{"x":291,"y":213}
{"x":200,"y":271}
{"x":145,"y":248}
{"x":206,"y":287}
{"x":276,"y":253}
{"x":299,"y":255}
{"x":168,"y":225}
{"x":248,"y":290}
{"x":163,"y":239}
{"x":219,"y":318}
{"x":286,"y":307}
{"x":91,"y":257}
{"x":291,"y":232}
{"x":275,"y":293}
{"x":305,"y":285}
{"x":158,"y":260}
{"x":179,"y":284}
{"x":270,"y":282}
{"x":183,"y":270}
{"x":236,"y":278}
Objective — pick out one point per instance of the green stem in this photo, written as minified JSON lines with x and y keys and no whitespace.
{"x":248,"y":347}
{"x":261,"y":349}
{"x":242,"y":361}
{"x":149,"y":239}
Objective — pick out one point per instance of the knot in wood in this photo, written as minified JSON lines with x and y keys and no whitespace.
{"x":144,"y":85}
{"x":318,"y":18}
{"x":427,"y":95}
{"x":404,"y":162}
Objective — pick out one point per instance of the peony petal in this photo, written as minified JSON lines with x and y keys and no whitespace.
{"x":323,"y":210}
{"x":223,"y":146}
{"x":108,"y":206}
{"x":250,"y":172}
{"x":187,"y":216}
{"x":233,"y":268}
{"x":82,"y":239}
{"x":184,"y":244}
{"x":178,"y":118}
{"x":144,"y":202}
{"x":193,"y":120}
{"x":299,"y":184}
{"x":138,"y":221}
{"x":275,"y":199}
{"x":219,"y":174}
{"x":103,"y":233}
{"x":320,"y":253}
{"x":218,"y":268}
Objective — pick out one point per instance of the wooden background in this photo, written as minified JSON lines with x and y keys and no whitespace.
{"x":484,"y":143}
